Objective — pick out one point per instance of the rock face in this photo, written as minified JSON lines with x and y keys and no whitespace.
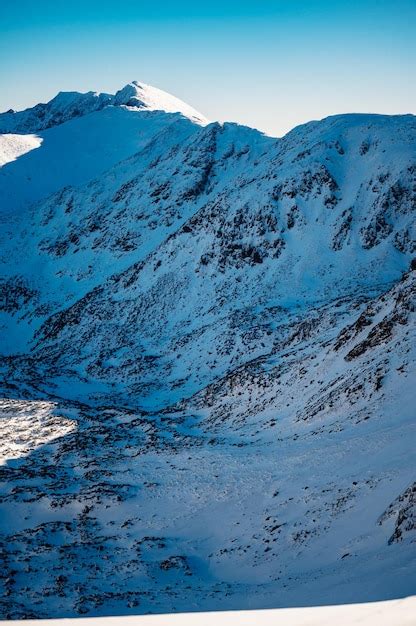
{"x":208,"y":354}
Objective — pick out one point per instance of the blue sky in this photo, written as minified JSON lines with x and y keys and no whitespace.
{"x":271,"y":64}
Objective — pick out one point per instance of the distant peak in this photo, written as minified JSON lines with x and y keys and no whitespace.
{"x":142,"y":96}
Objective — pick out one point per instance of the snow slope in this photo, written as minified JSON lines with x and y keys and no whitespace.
{"x":148,"y":98}
{"x":14,"y":146}
{"x":397,"y":612}
{"x":73,"y":153}
{"x":208,"y":345}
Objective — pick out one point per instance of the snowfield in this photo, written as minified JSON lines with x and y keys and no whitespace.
{"x":393,"y":613}
{"x":14,"y":146}
{"x":207,"y":364}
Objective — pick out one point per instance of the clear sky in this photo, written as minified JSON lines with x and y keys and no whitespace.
{"x":271,"y":64}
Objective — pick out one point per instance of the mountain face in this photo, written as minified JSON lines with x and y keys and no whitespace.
{"x":208,"y":355}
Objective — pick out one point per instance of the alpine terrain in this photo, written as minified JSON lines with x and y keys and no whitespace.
{"x":207,"y":359}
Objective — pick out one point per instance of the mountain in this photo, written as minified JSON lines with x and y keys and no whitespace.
{"x":208,"y":350}
{"x":82,"y":136}
{"x":67,"y":106}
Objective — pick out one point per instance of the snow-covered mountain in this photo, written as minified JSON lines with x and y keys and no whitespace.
{"x":208,"y":356}
{"x":67,"y":106}
{"x":82,"y":136}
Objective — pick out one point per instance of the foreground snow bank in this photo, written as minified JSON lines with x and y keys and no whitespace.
{"x":390,"y":613}
{"x":13,"y":146}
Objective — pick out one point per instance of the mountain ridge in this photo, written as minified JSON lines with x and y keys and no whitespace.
{"x":70,"y":104}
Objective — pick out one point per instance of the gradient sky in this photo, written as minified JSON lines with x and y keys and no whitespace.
{"x":271,"y":64}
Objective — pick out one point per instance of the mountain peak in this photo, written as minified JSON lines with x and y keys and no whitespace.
{"x":143,"y":96}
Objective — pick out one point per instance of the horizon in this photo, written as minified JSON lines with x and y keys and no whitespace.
{"x":270,"y":67}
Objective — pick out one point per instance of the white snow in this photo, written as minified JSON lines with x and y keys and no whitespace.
{"x":13,"y":146}
{"x":389,"y":613}
{"x":146,"y":97}
{"x":32,"y":424}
